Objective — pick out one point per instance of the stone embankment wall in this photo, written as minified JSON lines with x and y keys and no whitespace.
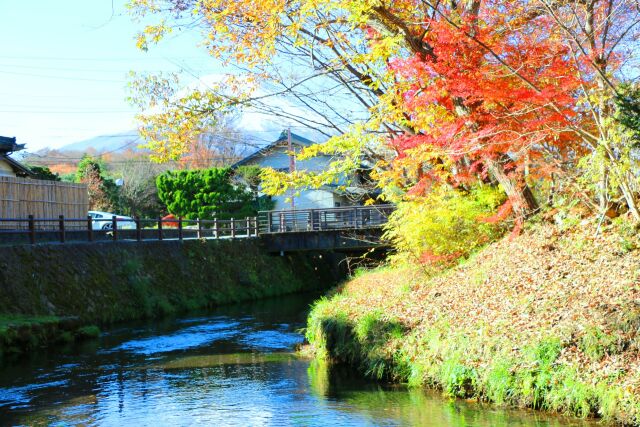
{"x":108,"y":282}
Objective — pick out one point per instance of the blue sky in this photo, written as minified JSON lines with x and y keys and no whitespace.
{"x":64,"y":66}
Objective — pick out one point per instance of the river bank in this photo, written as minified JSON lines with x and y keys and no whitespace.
{"x":52,"y":293}
{"x":546,"y":320}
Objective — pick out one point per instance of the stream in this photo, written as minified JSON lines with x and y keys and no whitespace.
{"x":231,"y":366}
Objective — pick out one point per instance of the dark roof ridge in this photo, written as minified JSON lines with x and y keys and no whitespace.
{"x":8,"y":145}
{"x":295,"y":139}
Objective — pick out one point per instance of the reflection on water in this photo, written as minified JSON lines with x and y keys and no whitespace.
{"x":233,"y":366}
{"x":182,"y":339}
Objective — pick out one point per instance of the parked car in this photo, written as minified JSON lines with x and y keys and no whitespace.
{"x":103,"y":221}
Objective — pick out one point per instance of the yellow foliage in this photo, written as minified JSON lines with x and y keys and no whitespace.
{"x":347,"y":151}
{"x":171,"y":120}
{"x":444,"y":225}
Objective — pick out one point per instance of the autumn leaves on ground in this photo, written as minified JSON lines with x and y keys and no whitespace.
{"x":547,"y":319}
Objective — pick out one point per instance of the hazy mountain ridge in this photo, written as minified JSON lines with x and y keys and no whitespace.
{"x":118,"y":142}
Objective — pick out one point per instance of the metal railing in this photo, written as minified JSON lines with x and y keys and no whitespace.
{"x":61,"y":229}
{"x":342,"y":218}
{"x":40,"y":230}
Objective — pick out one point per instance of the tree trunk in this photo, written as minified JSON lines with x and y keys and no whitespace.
{"x":523,"y":201}
{"x":630,"y":199}
{"x":602,"y":189}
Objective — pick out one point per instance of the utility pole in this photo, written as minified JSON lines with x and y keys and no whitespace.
{"x":292,"y":164}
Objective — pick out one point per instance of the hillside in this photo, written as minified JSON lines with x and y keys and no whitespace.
{"x":117,"y":142}
{"x":547,"y":320}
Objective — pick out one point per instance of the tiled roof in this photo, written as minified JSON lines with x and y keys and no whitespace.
{"x":8,"y":145}
{"x":295,"y":139}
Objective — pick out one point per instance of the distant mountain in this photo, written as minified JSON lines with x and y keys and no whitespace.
{"x":249,"y":142}
{"x":117,"y":142}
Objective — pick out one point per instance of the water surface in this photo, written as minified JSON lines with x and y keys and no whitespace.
{"x":234,"y":366}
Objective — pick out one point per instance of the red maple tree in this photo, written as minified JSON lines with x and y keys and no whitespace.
{"x":500,"y":86}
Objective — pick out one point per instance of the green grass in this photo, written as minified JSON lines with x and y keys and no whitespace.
{"x":90,"y":331}
{"x":22,"y":333}
{"x":597,"y":344}
{"x":15,"y":320}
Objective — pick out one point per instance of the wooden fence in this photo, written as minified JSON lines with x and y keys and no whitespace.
{"x":21,"y":197}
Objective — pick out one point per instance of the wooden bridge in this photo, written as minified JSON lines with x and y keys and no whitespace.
{"x":343,"y":228}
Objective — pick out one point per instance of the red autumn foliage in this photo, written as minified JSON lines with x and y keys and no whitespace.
{"x":504,"y":84}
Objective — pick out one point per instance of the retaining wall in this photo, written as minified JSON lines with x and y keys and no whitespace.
{"x":106,"y":282}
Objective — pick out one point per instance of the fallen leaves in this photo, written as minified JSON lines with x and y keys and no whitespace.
{"x":517,"y":291}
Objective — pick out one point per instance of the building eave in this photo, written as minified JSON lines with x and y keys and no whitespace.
{"x":18,"y":168}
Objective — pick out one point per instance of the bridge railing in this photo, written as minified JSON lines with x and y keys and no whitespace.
{"x":39,"y":230}
{"x":341,"y":218}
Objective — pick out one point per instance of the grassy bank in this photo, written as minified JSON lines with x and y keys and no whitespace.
{"x":48,"y":293}
{"x":545,"y":320}
{"x":19,"y":333}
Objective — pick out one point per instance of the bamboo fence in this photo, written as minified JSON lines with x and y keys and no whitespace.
{"x":21,"y":197}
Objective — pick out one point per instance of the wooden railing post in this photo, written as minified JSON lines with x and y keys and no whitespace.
{"x":138,"y":230}
{"x":269,"y":222}
{"x":199,"y":224}
{"x":248,"y":227}
{"x":89,"y":228}
{"x":355,"y":217}
{"x":32,"y":230}
{"x":160,"y":228}
{"x":233,"y":228}
{"x":255,"y":226}
{"x":310,"y":220}
{"x":215,"y":228}
{"x":282,"y":226}
{"x":114,"y":228}
{"x":61,"y":228}
{"x":180,"y":228}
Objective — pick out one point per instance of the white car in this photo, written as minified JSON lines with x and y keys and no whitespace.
{"x":103,"y":221}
